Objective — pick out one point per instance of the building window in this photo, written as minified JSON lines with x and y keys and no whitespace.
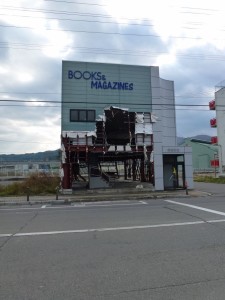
{"x":82,"y":115}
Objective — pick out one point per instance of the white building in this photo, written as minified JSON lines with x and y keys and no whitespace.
{"x":219,"y":123}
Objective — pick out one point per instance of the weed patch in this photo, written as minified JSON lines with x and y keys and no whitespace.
{"x":209,"y":179}
{"x":36,"y":184}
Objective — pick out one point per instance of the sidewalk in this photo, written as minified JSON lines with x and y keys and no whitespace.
{"x":100,"y":195}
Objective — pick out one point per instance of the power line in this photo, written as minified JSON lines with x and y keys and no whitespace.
{"x":31,"y":47}
{"x":30,"y":142}
{"x":82,"y":31}
{"x":87,"y":21}
{"x":87,"y":14}
{"x":103,"y":32}
{"x":30,"y":93}
{"x":27,"y":101}
{"x":114,"y":103}
{"x":8,"y":7}
{"x":29,"y":106}
{"x":73,"y":2}
{"x":72,"y":94}
{"x":195,"y":8}
{"x":159,"y":109}
{"x":144,"y":53}
{"x":104,"y":22}
{"x":63,"y":12}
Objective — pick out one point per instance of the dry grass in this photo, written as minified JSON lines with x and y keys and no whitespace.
{"x":208,"y":178}
{"x":36,"y":184}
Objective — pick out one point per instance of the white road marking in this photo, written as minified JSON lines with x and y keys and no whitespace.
{"x":105,"y":202}
{"x":22,"y":212}
{"x":198,"y":207}
{"x":216,"y":221}
{"x":104,"y":229}
{"x":107,"y":205}
{"x":6,"y":235}
{"x":76,"y":205}
{"x":17,"y":209}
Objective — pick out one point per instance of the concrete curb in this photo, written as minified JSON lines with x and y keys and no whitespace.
{"x":79,"y":198}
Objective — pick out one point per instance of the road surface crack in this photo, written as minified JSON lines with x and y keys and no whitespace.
{"x":187,"y":214}
{"x":169,"y":286}
{"x":197,"y":217}
{"x":18,"y":231}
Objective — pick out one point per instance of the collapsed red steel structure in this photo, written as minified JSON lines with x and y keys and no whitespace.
{"x":119,"y":136}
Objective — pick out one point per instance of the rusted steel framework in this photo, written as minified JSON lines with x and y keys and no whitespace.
{"x":118,"y":140}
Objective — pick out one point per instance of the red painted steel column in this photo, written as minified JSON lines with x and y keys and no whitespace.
{"x":66,"y":178}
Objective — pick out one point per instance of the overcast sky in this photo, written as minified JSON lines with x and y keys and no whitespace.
{"x":184,"y":38}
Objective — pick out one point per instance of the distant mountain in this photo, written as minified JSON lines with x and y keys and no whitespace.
{"x":180,"y":140}
{"x":55,"y":154}
{"x":31,"y":157}
{"x":201,"y":137}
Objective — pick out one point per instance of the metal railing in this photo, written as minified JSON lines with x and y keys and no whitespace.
{"x":95,"y":172}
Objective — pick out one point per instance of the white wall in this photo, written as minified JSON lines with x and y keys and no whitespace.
{"x":164,"y":130}
{"x":168,"y":113}
{"x":157,"y":129}
{"x":188,"y":167}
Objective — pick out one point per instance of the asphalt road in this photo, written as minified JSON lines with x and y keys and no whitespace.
{"x":215,"y":189}
{"x":156,"y":249}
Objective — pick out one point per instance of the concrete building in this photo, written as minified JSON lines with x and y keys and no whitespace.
{"x":24,"y":169}
{"x":121,"y":114}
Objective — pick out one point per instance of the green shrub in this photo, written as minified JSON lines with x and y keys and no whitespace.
{"x":209,"y":179}
{"x":38,"y":184}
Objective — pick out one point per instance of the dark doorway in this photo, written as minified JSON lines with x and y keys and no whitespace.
{"x":173,"y":171}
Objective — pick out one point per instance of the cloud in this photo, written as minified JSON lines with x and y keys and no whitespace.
{"x":185,"y":42}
